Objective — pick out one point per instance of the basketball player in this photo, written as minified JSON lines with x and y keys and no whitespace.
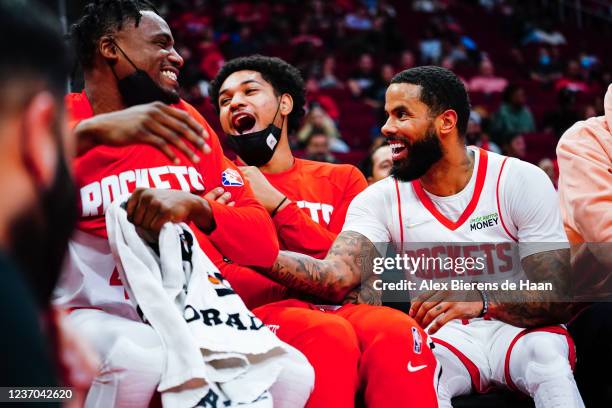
{"x":131,"y":74}
{"x":439,"y":184}
{"x":355,"y":348}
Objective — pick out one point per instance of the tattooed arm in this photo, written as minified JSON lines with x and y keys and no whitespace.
{"x":521,"y":308}
{"x":350,"y":257}
{"x":526,"y":308}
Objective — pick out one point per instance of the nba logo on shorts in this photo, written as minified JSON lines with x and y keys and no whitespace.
{"x":416,"y":340}
{"x":231,"y":177}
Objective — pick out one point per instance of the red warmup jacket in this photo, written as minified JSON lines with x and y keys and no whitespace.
{"x":320,"y":195}
{"x":244,"y":233}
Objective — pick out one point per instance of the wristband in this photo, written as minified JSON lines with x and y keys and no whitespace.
{"x":273,"y":213}
{"x":485,"y":303}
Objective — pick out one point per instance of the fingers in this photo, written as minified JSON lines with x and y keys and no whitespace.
{"x":416,"y":304}
{"x":161,"y":144}
{"x":426,"y":306}
{"x":169,"y":135}
{"x":220,"y":195}
{"x":185,"y":124}
{"x":449,"y":315}
{"x":435,"y":312}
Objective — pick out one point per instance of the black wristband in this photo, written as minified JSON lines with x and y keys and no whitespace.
{"x":273,"y":213}
{"x":485,"y":303}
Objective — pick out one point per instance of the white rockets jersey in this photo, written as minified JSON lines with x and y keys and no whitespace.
{"x":505,"y":201}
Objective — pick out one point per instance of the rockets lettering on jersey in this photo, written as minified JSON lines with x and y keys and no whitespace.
{"x":314,"y":209}
{"x":98,"y":195}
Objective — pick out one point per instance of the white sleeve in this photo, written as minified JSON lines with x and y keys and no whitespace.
{"x":367,"y":212}
{"x":533,"y":206}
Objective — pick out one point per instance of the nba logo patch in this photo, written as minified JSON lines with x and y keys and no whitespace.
{"x":417,"y":341}
{"x":231,"y":177}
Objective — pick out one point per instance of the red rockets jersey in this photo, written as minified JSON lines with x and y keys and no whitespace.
{"x":244,"y":233}
{"x":320,"y":195}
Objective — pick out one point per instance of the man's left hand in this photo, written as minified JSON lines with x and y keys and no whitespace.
{"x":264,"y":192}
{"x":440,"y":307}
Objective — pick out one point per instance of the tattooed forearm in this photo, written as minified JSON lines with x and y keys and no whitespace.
{"x":526,"y":308}
{"x":350,"y":258}
{"x":365,"y":293}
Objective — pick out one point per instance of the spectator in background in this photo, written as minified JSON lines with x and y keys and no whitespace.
{"x":328,"y":74}
{"x":486,"y":81}
{"x":314,"y":96}
{"x":548,"y":68}
{"x":430,"y":47}
{"x":317,"y":118}
{"x":317,"y":147}
{"x":573,"y":79}
{"x":378,"y":164}
{"x":515,"y":146}
{"x":359,"y":20}
{"x":362,"y":80}
{"x":545,"y":34}
{"x":513,"y":116}
{"x":548,"y":167}
{"x":407,"y":60}
{"x":564,"y":115}
{"x":475,"y":135}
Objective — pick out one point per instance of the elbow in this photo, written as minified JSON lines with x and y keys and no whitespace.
{"x":342,"y":286}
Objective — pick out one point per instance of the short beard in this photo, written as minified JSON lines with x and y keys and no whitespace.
{"x":422,"y":154}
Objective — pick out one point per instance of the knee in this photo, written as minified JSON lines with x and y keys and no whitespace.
{"x":335,"y":334}
{"x":545,"y":349}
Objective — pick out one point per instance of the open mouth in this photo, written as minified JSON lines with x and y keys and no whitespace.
{"x":399,"y":149}
{"x":243,"y":122}
{"x":171,"y":75}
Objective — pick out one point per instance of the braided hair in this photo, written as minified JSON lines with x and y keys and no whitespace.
{"x":103,"y":17}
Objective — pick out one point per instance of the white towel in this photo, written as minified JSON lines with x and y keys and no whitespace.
{"x":215,"y":347}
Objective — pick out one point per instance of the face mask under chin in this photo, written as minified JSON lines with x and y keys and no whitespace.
{"x":256,"y":148}
{"x":139,"y":88}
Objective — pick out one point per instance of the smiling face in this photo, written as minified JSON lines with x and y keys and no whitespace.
{"x":150,"y":46}
{"x":410,"y":132}
{"x":247,"y":103}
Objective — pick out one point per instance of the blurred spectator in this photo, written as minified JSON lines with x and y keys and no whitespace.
{"x":427,"y":6}
{"x":564,"y":115}
{"x":317,"y":118}
{"x":328,"y":74}
{"x":430,"y":47}
{"x":486,"y":81}
{"x":314,"y":96}
{"x":358,"y":20}
{"x":317,"y":147}
{"x":548,"y":167}
{"x":362,"y":81}
{"x":513,"y":115}
{"x":548,"y":68}
{"x":407,"y":60}
{"x":475,"y":135}
{"x":545,"y":34}
{"x":515,"y":146}
{"x":573,"y":78}
{"x":378,"y":164}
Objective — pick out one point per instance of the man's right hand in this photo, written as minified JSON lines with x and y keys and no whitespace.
{"x":155,"y":123}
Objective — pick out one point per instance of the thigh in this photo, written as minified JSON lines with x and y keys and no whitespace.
{"x":467,"y":341}
{"x":104,"y":330}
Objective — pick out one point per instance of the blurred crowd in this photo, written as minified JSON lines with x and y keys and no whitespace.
{"x":529,"y":77}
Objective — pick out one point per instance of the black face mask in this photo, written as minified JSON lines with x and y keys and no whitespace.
{"x":39,"y":236}
{"x":422,"y":155}
{"x":138,"y":88}
{"x":257,"y":148}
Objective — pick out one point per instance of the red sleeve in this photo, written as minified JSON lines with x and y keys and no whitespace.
{"x":355,"y":184}
{"x":244,"y":233}
{"x":298,"y":232}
